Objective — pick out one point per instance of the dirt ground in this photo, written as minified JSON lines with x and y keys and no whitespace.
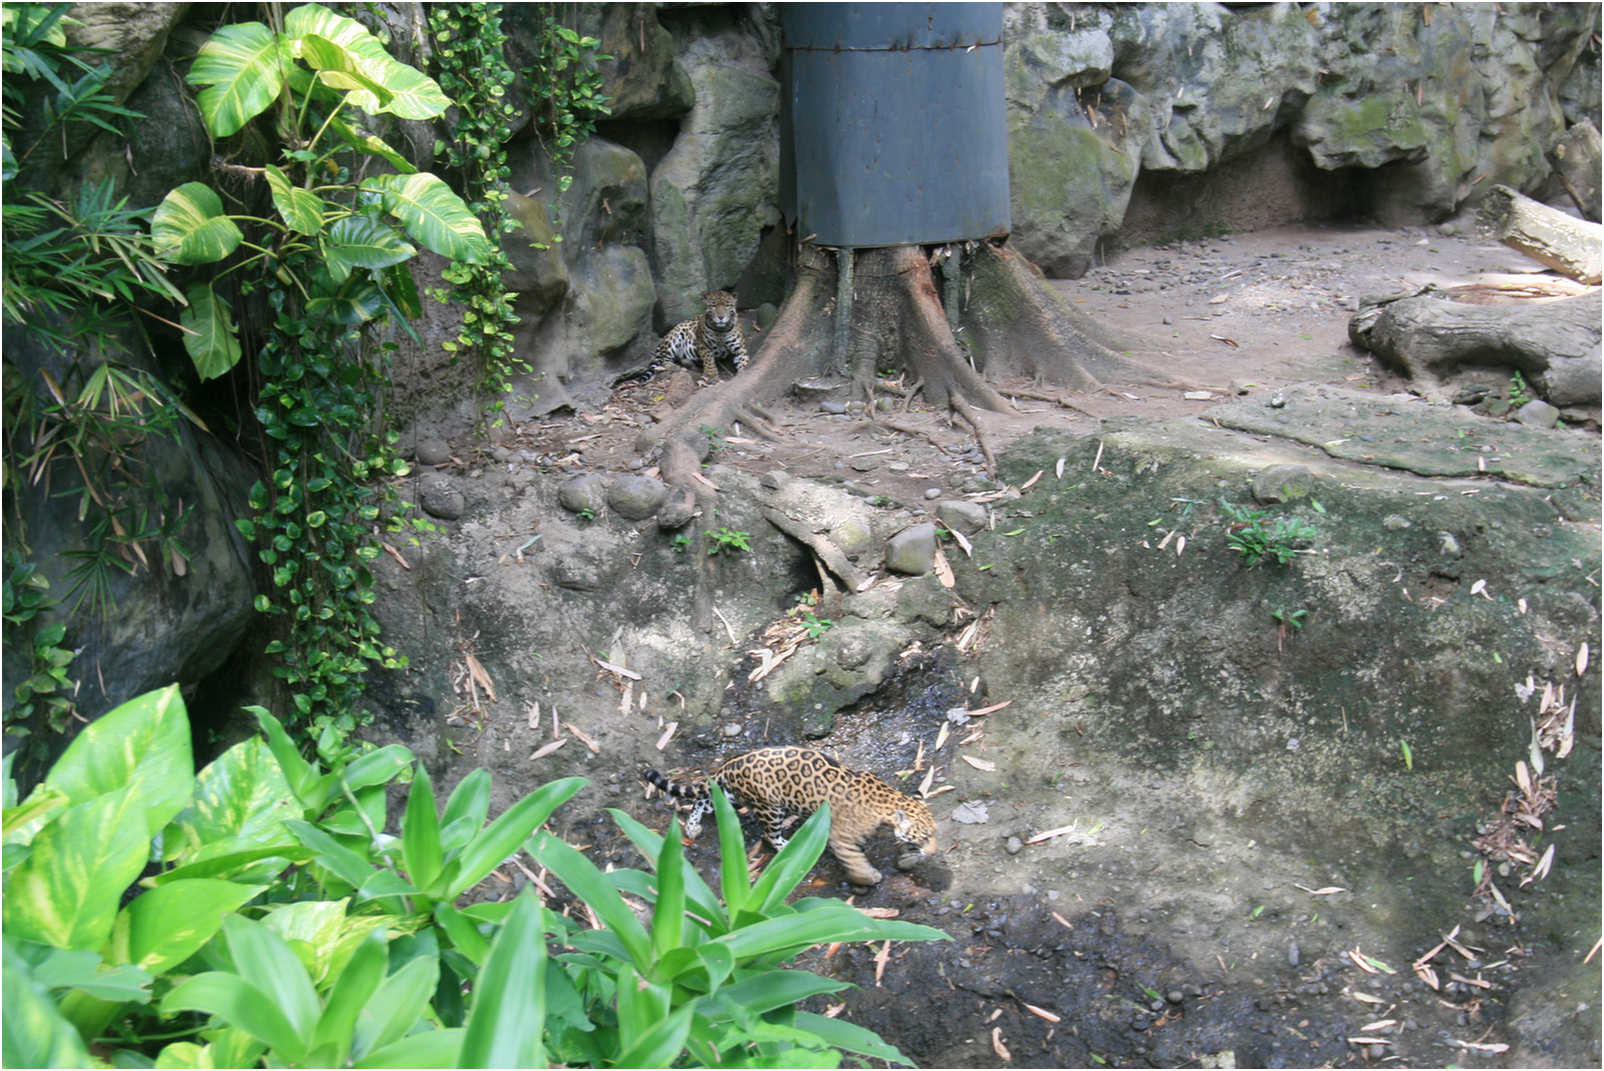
{"x":1237,"y":313}
{"x":1030,"y":979}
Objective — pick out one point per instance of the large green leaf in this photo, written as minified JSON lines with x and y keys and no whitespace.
{"x":759,"y":993}
{"x":33,"y":1032}
{"x":363,"y":242}
{"x":465,"y":810}
{"x":668,"y":918}
{"x":143,"y":744}
{"x":209,"y":333}
{"x":301,"y":209}
{"x":428,"y":1048}
{"x":371,"y":145}
{"x":356,"y":985}
{"x":166,"y":925}
{"x":66,"y":892}
{"x":313,"y":788}
{"x":411,"y":94}
{"x":241,"y":801}
{"x":506,"y":834}
{"x":189,"y":226}
{"x":240,"y":1004}
{"x":732,"y":868}
{"x":267,"y":960}
{"x":701,"y":897}
{"x":590,"y":885}
{"x":659,"y":1046}
{"x":832,"y":921}
{"x":433,"y":215}
{"x":401,"y":1001}
{"x":849,"y":1036}
{"x":505,"y":1027}
{"x":243,"y":65}
{"x":420,"y":831}
{"x":324,"y":932}
{"x":792,"y":863}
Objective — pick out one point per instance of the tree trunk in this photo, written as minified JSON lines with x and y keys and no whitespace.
{"x":1570,"y":246}
{"x":890,"y":314}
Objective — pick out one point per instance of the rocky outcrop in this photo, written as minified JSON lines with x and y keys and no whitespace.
{"x":718,"y":187}
{"x":1432,"y":106}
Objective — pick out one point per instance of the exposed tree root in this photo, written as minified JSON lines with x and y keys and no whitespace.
{"x":854,"y":313}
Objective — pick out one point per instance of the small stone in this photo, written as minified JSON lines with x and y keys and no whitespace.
{"x":885,"y":405}
{"x":1175,"y":996}
{"x":1294,"y":955}
{"x":962,"y":515}
{"x":1395,"y":523}
{"x":775,"y":479}
{"x":586,"y":491}
{"x":500,"y":453}
{"x":861,"y":464}
{"x":1450,"y":545}
{"x":1536,"y":414}
{"x":440,"y":499}
{"x":912,"y":551}
{"x":677,"y":510}
{"x":897,"y":466}
{"x":636,"y":497}
{"x":1282,"y":483}
{"x":732,"y":729}
{"x":1014,"y":846}
{"x":932,"y":493}
{"x":834,"y":408}
{"x":433,"y":451}
{"x":1278,"y":400}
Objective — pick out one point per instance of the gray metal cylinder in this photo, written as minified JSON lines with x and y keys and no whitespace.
{"x":892,"y":123}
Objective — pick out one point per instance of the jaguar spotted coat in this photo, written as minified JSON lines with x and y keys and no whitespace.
{"x":707,"y":341}
{"x":777,"y":782}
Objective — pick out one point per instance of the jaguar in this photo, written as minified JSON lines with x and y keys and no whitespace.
{"x":780,"y":782}
{"x":705,"y":342}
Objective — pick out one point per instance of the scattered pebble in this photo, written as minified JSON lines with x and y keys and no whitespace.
{"x":1014,"y":845}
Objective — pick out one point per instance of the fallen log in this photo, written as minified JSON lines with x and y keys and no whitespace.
{"x":1427,"y":336}
{"x":1571,"y":246}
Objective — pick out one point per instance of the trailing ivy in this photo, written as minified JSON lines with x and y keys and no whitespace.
{"x":566,"y":87}
{"x":331,"y":262}
{"x":471,"y":63}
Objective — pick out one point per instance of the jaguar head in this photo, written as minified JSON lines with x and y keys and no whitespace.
{"x":913,"y":824}
{"x":720,"y":306}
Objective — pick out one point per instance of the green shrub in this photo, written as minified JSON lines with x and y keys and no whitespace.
{"x":1252,"y":534}
{"x":280,"y":925}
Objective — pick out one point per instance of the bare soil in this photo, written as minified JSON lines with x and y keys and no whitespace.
{"x":1049,"y":977}
{"x":1234,"y":314}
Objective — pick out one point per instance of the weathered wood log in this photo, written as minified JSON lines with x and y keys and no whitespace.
{"x":1576,"y":159}
{"x":1554,"y":344}
{"x":1571,"y":246}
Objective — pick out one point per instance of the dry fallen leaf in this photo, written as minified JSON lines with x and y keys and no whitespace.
{"x":997,"y":1045}
{"x":980,"y":764}
{"x":1581,"y":659}
{"x":1058,"y":469}
{"x":881,"y":958}
{"x":1043,"y":1013}
{"x":480,"y":677}
{"x":1324,"y":890}
{"x":1026,"y":485}
{"x":963,"y":543}
{"x":1365,"y":998}
{"x":584,"y":738}
{"x":546,"y":749}
{"x":668,"y":734}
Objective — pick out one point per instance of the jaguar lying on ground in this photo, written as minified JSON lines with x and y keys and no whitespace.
{"x":776,"y":782}
{"x":705,"y":342}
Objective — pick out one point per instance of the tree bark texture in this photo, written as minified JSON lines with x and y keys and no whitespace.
{"x":1554,"y":344}
{"x":1571,"y":246}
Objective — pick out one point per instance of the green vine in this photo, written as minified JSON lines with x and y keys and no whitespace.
{"x":472,"y":67}
{"x":566,"y":87}
{"x":331,"y":262}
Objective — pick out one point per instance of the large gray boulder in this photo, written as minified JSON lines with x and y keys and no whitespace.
{"x":641,"y":76}
{"x":718,"y":187}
